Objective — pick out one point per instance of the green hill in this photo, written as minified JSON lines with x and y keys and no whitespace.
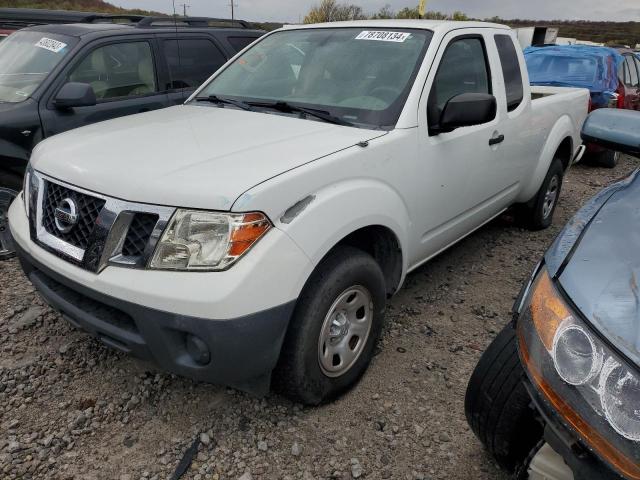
{"x":79,"y":5}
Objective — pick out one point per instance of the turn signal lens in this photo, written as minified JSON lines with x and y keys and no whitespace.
{"x":547,"y":309}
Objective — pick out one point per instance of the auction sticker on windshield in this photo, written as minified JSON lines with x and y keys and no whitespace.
{"x":380,"y":36}
{"x":49,"y":44}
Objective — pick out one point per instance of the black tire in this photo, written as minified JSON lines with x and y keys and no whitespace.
{"x":298,"y":374}
{"x":498,"y":407}
{"x":604,"y":159}
{"x":10,"y":186}
{"x":537,"y":214}
{"x":607,"y":159}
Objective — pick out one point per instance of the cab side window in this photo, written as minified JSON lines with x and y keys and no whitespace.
{"x":463,"y":69}
{"x":118,"y":70}
{"x":510,"y":71}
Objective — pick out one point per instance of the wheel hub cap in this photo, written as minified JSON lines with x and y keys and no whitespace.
{"x":550,"y":197}
{"x":345,"y":331}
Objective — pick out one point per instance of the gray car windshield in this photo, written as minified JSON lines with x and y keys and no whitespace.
{"x":356,"y":76}
{"x":26,"y":58}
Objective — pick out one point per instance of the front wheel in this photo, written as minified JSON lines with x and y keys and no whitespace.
{"x":7,"y":195}
{"x":334,"y":329}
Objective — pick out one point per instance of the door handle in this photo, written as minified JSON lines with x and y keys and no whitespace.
{"x":496,"y":140}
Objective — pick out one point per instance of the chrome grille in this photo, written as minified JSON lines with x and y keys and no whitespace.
{"x":103,"y":230}
{"x":88,"y":210}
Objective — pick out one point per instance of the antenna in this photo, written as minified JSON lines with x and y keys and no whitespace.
{"x":233,"y":4}
{"x":175,"y":21}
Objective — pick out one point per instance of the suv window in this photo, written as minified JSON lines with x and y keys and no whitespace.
{"x":118,"y":70}
{"x":191,"y":61}
{"x":633,"y":72}
{"x":238,"y":43}
{"x":463,"y":69}
{"x":510,"y":70}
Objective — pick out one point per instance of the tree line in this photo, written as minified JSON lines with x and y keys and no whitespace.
{"x":332,"y":11}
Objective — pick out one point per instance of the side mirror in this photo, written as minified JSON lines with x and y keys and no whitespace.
{"x":75,"y":94}
{"x":614,"y":129}
{"x":465,"y":110}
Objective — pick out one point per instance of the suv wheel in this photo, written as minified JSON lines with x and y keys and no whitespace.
{"x":334,"y":329}
{"x":10,"y":186}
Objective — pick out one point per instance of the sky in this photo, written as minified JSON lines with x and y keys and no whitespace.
{"x":294,"y":10}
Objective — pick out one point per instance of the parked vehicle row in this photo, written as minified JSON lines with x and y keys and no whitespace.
{"x":611,"y":75}
{"x":252,"y":235}
{"x":556,"y":394}
{"x":58,"y":77}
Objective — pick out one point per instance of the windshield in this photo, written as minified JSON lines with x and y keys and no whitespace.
{"x":580,"y":71}
{"x":26,"y":58}
{"x":362,"y":77}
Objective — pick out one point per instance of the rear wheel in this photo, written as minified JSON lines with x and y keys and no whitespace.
{"x":608,"y":159}
{"x":538,"y":214}
{"x":498,"y":407}
{"x":10,"y":186}
{"x":334,"y":329}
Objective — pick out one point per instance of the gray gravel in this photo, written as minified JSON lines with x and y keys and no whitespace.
{"x":72,"y":408}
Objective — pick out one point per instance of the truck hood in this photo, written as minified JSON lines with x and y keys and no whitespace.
{"x":602,"y":277}
{"x":189,"y":156}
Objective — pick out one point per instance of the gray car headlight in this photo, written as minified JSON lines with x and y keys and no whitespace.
{"x":594,"y":390}
{"x":201,"y":240}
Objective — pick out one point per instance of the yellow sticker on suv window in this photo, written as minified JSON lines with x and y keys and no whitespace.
{"x":381,"y":36}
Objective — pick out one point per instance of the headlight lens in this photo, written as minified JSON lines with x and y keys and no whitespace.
{"x":575,"y":355}
{"x":621,"y":399}
{"x":25,"y":188}
{"x":592,"y":388}
{"x":200,"y":240}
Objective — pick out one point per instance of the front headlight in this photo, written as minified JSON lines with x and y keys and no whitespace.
{"x":201,"y":240}
{"x":30,"y":190}
{"x":593,"y":389}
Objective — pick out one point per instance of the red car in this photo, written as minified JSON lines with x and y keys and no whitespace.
{"x":611,"y":75}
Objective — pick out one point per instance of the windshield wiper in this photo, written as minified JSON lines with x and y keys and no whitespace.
{"x":225,"y":101}
{"x":312,"y":112}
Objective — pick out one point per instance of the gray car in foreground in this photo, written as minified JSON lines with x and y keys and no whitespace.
{"x":557,"y":395}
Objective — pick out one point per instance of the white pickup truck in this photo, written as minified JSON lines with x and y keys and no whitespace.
{"x":258,"y":230}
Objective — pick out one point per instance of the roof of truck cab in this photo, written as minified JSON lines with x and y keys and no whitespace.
{"x":440,"y":25}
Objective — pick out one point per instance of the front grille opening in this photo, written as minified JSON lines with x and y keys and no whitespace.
{"x":88,"y":210}
{"x":139,"y":234}
{"x":92,"y":307}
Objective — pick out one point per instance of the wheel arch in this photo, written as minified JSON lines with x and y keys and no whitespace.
{"x":559,"y":144}
{"x":363,"y":213}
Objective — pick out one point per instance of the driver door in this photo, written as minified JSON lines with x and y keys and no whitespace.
{"x":459,"y":168}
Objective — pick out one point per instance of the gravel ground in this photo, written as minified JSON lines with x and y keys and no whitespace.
{"x":72,"y":408}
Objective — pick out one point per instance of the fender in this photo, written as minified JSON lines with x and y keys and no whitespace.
{"x":342,"y":208}
{"x":562,"y":129}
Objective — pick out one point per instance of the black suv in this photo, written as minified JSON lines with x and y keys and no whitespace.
{"x":54,"y":78}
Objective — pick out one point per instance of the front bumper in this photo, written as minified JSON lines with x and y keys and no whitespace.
{"x":584,"y":464}
{"x":219,"y":327}
{"x":240,"y":352}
